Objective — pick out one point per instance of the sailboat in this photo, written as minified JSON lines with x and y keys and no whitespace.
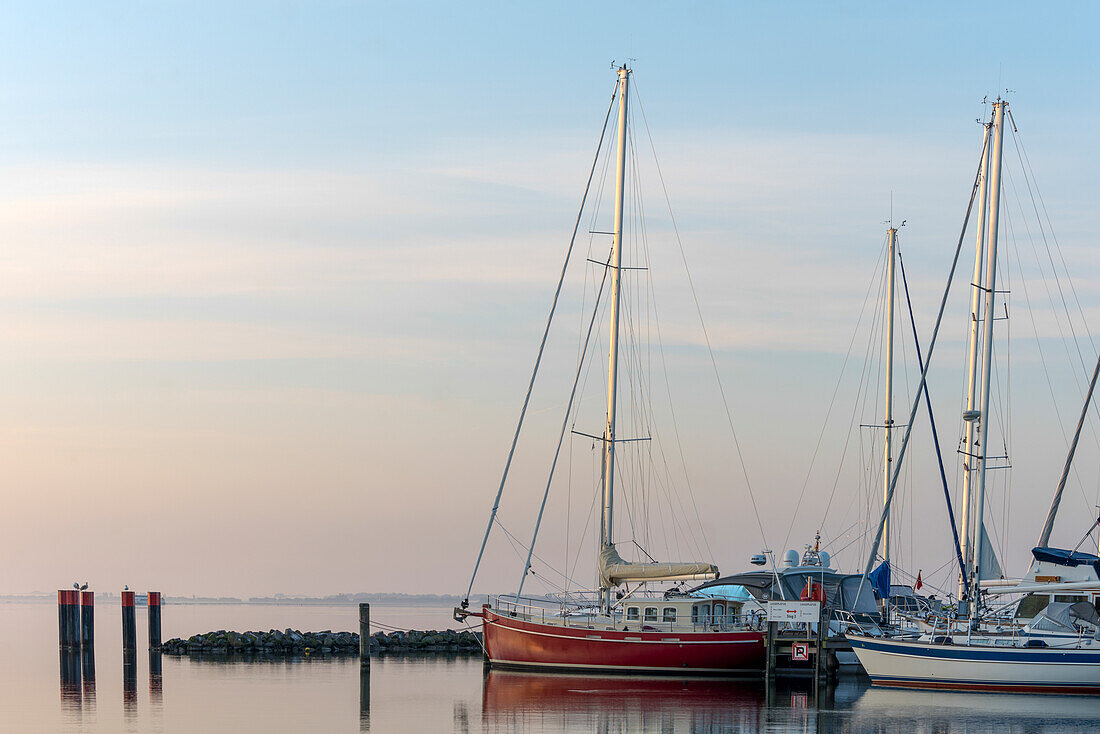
{"x":628,"y":629}
{"x":979,"y":659}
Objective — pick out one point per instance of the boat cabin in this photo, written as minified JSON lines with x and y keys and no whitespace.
{"x":655,"y":613}
{"x":1059,"y":566}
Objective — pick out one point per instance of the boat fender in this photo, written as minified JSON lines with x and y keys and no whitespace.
{"x":813,"y":591}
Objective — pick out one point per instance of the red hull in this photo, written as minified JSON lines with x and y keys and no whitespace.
{"x":512,"y":642}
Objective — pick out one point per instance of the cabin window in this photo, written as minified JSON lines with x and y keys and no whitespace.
{"x":695,"y":614}
{"x":668,"y":614}
{"x":632,"y":614}
{"x":719,"y":611}
{"x":1070,"y":598}
{"x":1031,"y":605}
{"x":651,"y":614}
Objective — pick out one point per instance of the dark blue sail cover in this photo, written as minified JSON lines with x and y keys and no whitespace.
{"x":880,"y":580}
{"x":1068,"y":558}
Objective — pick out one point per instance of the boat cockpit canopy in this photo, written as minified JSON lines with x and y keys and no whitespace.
{"x":842,"y":591}
{"x":1061,"y":557}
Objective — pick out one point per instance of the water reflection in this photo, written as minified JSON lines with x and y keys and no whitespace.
{"x":520,"y":701}
{"x":69,"y":664}
{"x":364,"y":695}
{"x":129,"y":685}
{"x":156,"y":679}
{"x":947,"y":712}
{"x":87,"y":667}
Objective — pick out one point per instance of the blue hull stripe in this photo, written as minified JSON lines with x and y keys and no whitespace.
{"x":980,"y":654}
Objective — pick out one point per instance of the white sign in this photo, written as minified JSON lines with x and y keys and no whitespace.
{"x":794,"y":611}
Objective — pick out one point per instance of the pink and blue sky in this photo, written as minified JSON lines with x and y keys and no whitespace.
{"x":272,"y":275}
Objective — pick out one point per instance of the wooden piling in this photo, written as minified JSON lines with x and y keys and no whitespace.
{"x":153,"y":605}
{"x":129,"y":622}
{"x":364,"y":633}
{"x":87,"y":620}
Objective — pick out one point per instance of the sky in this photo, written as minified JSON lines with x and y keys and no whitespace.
{"x":273,"y":275}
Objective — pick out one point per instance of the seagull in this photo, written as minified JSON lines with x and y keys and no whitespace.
{"x":85,"y":586}
{"x":126,"y":587}
{"x":76,"y":584}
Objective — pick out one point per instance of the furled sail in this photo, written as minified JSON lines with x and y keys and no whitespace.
{"x":991,"y":567}
{"x":614,"y":570}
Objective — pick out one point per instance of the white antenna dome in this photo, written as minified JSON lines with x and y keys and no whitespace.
{"x":790,"y":558}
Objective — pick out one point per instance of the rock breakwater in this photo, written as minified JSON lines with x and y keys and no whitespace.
{"x":296,"y":642}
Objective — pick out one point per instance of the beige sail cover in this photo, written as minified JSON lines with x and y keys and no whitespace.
{"x":614,"y":570}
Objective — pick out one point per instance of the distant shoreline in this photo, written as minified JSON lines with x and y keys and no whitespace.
{"x":279,"y":600}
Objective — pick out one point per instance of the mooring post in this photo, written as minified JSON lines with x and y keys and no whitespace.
{"x":62,"y":622}
{"x":68,"y":619}
{"x":770,"y":642}
{"x":153,"y":606}
{"x":87,"y":620}
{"x":822,"y":639}
{"x":364,"y":633}
{"x":129,"y":622}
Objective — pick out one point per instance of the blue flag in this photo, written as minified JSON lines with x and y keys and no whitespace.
{"x":880,"y":580}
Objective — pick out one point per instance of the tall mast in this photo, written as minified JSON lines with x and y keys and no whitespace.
{"x":969,"y":450}
{"x":887,"y":458}
{"x":987,"y":348}
{"x":613,"y":348}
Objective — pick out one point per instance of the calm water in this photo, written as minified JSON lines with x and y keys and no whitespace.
{"x":440,"y":694}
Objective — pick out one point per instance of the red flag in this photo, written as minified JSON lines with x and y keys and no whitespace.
{"x":916,"y":586}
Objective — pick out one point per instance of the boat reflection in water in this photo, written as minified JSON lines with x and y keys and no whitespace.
{"x":552,"y":702}
{"x":522,"y":701}
{"x":956,"y":711}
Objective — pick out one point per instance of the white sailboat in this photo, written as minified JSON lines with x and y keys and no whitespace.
{"x":978,"y":659}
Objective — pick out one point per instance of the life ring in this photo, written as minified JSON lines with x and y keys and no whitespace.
{"x":813,"y":591}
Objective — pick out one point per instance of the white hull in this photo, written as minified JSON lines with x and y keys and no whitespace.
{"x":908,"y":664}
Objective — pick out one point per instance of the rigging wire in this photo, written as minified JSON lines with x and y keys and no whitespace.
{"x":538,"y":358}
{"x":702,"y":323}
{"x":932,"y":420}
{"x":829,"y":412}
{"x":923,"y":379}
{"x":561,"y":435}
